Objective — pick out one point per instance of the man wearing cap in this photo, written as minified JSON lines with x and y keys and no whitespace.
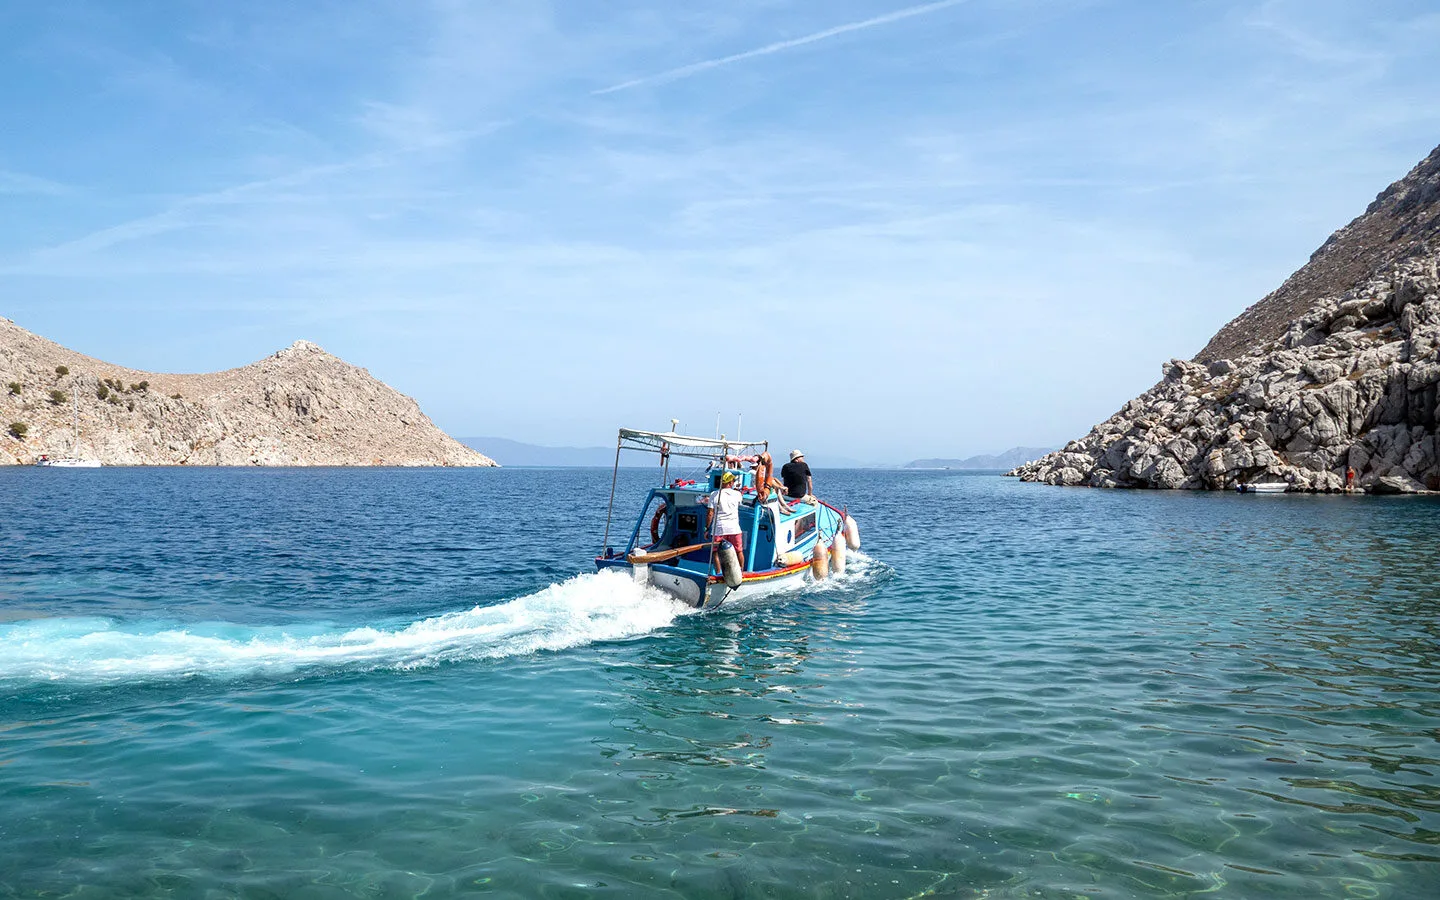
{"x":796,"y":475}
{"x":724,"y":519}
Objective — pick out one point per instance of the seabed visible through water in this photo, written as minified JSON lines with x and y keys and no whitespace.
{"x":410,"y":683}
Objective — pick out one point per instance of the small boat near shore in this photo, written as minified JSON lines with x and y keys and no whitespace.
{"x":46,"y":461}
{"x":1264,"y":487}
{"x":786,"y":541}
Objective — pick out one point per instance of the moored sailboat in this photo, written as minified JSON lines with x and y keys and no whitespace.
{"x":47,"y":461}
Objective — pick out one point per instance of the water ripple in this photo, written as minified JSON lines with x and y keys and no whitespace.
{"x":337,"y":683}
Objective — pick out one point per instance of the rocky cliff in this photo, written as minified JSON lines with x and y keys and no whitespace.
{"x":1337,"y":368}
{"x":299,"y":407}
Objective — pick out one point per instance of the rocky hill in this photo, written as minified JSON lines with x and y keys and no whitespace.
{"x":299,"y":407}
{"x":1336,"y":369}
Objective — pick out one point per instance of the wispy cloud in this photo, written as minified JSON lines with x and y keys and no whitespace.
{"x":177,"y":216}
{"x":1283,"y":24}
{"x":780,"y":46}
{"x":183,"y":213}
{"x":20,"y":183}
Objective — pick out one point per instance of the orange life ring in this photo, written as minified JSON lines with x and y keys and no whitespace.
{"x":655,"y":521}
{"x":764,"y":472}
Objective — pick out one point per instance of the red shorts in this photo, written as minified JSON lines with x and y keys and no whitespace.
{"x":731,"y":539}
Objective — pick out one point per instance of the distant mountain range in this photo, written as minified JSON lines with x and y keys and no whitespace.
{"x":514,"y":453}
{"x":1011,"y":458}
{"x":517,"y":453}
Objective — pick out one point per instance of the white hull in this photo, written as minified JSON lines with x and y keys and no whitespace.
{"x":688,"y":590}
{"x":68,"y":462}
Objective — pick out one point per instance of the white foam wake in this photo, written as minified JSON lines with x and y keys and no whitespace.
{"x":585,"y":609}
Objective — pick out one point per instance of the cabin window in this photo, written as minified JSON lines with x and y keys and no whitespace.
{"x":803,"y":526}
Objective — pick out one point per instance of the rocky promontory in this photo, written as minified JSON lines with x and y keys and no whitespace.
{"x":1336,"y":370}
{"x":298,"y":407}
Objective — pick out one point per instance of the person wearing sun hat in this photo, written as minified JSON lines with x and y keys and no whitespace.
{"x":724,"y":518}
{"x":796,"y":475}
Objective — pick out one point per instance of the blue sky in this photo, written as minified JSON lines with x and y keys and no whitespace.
{"x":877,"y":229}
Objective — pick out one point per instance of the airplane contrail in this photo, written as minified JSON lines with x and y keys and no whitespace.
{"x":694,"y":68}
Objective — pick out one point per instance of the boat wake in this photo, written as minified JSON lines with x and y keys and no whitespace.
{"x":586,"y":609}
{"x":583,"y":610}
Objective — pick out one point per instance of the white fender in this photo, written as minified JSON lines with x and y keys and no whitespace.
{"x":730,"y":566}
{"x":820,"y":561}
{"x":837,"y":555}
{"x":852,"y":533}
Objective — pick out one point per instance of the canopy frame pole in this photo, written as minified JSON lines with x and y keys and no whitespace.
{"x":614,"y":474}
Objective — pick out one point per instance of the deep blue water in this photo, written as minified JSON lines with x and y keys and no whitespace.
{"x":389,"y":683}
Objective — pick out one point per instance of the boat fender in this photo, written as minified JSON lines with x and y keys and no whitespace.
{"x":729,"y":565}
{"x":819,"y":561}
{"x":852,"y":533}
{"x":837,"y":555}
{"x":655,"y":521}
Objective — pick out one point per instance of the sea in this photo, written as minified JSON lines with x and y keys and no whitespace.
{"x":385,"y":683}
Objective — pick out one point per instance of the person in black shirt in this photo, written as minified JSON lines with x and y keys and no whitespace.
{"x":796,"y":475}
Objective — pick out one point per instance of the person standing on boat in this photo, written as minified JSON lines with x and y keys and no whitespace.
{"x":796,"y":475}
{"x":724,"y":519}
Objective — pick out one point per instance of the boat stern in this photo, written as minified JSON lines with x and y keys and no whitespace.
{"x":691,"y":588}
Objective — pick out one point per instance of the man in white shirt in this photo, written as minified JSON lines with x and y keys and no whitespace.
{"x":724,"y":518}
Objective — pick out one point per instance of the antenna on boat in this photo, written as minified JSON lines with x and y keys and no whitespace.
{"x":739,"y":417}
{"x":717,"y":425}
{"x":674,"y":425}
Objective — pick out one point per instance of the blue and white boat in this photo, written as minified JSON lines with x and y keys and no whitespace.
{"x":786,"y":542}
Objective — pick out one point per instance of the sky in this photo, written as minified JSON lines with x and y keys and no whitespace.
{"x":876,"y":229}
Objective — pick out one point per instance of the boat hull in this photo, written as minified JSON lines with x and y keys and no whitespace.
{"x":65,"y":463}
{"x":1266,"y":488}
{"x":704,"y":592}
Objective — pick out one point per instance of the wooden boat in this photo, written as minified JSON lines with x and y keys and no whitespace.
{"x":787,"y":542}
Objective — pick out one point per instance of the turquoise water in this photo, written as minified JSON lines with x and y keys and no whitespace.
{"x":388,"y":683}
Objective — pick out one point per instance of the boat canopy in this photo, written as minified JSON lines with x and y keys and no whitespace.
{"x":686,"y":445}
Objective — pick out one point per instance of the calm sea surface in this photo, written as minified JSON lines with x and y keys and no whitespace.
{"x":385,"y":683}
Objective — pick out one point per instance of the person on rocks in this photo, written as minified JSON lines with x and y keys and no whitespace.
{"x":796,"y":474}
{"x":1349,"y":479}
{"x":724,"y":518}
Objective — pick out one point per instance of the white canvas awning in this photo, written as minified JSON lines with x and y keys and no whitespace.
{"x":687,"y":445}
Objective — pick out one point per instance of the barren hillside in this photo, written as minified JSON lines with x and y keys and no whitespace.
{"x":1334,"y":374}
{"x":299,"y":407}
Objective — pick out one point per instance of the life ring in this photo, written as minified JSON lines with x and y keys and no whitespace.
{"x":655,"y":521}
{"x":764,"y":472}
